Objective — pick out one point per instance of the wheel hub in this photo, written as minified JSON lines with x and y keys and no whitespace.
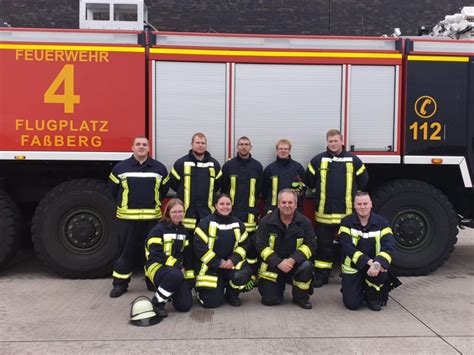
{"x":82,"y":230}
{"x":410,"y":228}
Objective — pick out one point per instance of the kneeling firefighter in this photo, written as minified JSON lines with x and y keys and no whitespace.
{"x":169,"y":260}
{"x":368,"y":246}
{"x":220,"y":246}
{"x":285,"y":242}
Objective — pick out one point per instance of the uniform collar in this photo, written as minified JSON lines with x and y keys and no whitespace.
{"x":275,"y":217}
{"x":356,"y":220}
{"x":170,"y":225}
{"x":283,"y":161}
{"x":239,"y":158}
{"x":137,"y":163}
{"x":206,"y":157}
{"x":221,"y":218}
{"x":340,"y":155}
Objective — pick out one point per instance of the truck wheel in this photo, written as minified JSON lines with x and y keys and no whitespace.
{"x":10,"y":229}
{"x":424,"y":225}
{"x":72,"y":229}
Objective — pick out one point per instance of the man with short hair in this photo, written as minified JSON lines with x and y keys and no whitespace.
{"x":336,"y":175}
{"x":283,"y":173}
{"x":241,"y":180}
{"x":285,"y":243}
{"x":138,"y":185}
{"x":368,"y":246}
{"x":196,"y":178}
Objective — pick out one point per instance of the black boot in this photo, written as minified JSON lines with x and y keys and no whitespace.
{"x":321,"y":277}
{"x":374,"y":305}
{"x":159,"y":307}
{"x":234,"y":301}
{"x":232,"y":298}
{"x":305,"y":304}
{"x":320,"y":281}
{"x":118,"y":291}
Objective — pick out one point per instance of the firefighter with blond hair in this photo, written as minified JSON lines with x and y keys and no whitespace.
{"x":336,"y":175}
{"x":283,"y":173}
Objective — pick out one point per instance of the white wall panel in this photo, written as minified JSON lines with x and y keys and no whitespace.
{"x":297,"y":102}
{"x":371,"y":112}
{"x":189,"y":98}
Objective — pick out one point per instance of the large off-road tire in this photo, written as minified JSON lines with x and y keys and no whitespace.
{"x":10,"y":229}
{"x":72,"y":229}
{"x":424,"y":225}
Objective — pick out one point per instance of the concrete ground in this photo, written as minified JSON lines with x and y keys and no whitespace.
{"x":42,"y":313}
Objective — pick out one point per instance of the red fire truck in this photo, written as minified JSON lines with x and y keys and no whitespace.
{"x":73,"y":100}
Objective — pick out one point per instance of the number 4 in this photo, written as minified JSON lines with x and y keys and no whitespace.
{"x":66,"y":77}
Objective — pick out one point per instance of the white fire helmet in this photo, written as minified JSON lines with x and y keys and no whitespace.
{"x":142,"y":313}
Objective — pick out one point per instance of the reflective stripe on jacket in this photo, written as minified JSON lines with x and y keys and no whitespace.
{"x":138,"y":188}
{"x":218,"y":238}
{"x":195,"y":183}
{"x":168,"y":245}
{"x":362,"y":243}
{"x":336,"y":180}
{"x":275,"y":242}
{"x":279,"y":175}
{"x":242,"y":179}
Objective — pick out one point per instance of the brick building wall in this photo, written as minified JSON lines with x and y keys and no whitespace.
{"x":317,"y":17}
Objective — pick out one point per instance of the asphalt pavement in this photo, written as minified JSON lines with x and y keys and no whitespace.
{"x":42,"y":313}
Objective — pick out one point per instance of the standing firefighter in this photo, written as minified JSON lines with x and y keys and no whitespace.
{"x":241,"y":180}
{"x":336,"y":175}
{"x":196,"y":177}
{"x":285,"y":243}
{"x":283,"y":173}
{"x":139,"y":184}
{"x":367,"y":251}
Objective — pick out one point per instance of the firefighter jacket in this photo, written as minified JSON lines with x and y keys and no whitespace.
{"x":195,"y":183}
{"x":242,"y":179}
{"x":362,"y":243}
{"x":275,"y":241}
{"x":218,"y":238}
{"x":336,"y":179}
{"x":279,"y":175}
{"x":168,"y":245}
{"x":138,"y":188}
